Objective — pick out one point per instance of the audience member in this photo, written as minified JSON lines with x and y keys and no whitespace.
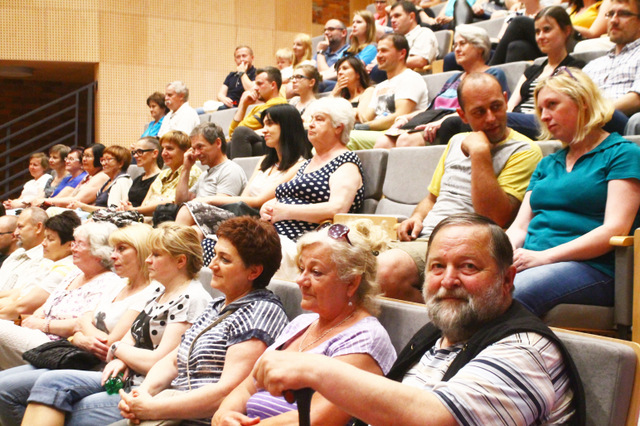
{"x":33,"y":189}
{"x":404,"y":92}
{"x":56,"y":249}
{"x":287,"y":147}
{"x":87,"y":189}
{"x":577,"y":200}
{"x":284,"y":61}
{"x":74,"y":175}
{"x":219,"y":350}
{"x":95,"y":331}
{"x":8,"y":239}
{"x":57,"y":156}
{"x":115,"y":162}
{"x":239,"y":80}
{"x":302,"y":53}
{"x":147,"y":154}
{"x":423,"y":46}
{"x":329,"y":183}
{"x":362,"y":43}
{"x":25,"y":264}
{"x":331,"y":48}
{"x":246,"y":140}
{"x":482,"y":357}
{"x":472,"y":48}
{"x":305,"y":83}
{"x":337,"y":271}
{"x":486,"y":171}
{"x":79,"y":292}
{"x":181,"y":116}
{"x":163,"y":189}
{"x":353,"y":80}
{"x":158,"y":111}
{"x":381,"y":15}
{"x":224,"y":178}
{"x":615,"y":73}
{"x":175,"y":260}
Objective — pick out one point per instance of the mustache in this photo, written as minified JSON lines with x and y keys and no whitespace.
{"x":443,"y":293}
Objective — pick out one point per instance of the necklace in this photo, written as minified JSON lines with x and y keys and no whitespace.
{"x":301,"y":348}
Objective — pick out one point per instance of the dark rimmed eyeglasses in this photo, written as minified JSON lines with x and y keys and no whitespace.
{"x":337,"y":231}
{"x":140,"y":151}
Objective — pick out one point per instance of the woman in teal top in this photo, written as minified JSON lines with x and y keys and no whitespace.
{"x":363,"y":37}
{"x":578,"y":198}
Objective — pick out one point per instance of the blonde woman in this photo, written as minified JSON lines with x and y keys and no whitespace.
{"x":363,"y":37}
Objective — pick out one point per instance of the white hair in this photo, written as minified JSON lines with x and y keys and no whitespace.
{"x":339,"y":110}
{"x":476,"y":36}
{"x":180,"y":87}
{"x":97,"y":235}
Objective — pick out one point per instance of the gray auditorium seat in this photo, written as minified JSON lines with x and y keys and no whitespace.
{"x":374,"y":165}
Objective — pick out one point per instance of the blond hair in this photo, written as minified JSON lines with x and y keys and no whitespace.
{"x":594,"y":110}
{"x":175,"y":240}
{"x":135,"y":235}
{"x":306,"y":42}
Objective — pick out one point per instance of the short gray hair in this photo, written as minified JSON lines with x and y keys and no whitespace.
{"x":210,"y":132}
{"x":97,"y":234}
{"x":180,"y":87}
{"x":339,"y":110}
{"x":477,"y":36}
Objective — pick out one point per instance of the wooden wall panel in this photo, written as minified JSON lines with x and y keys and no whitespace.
{"x":141,"y":45}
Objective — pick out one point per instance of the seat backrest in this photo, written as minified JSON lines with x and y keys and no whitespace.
{"x":549,"y":147}
{"x":633,"y":138}
{"x":491,"y":26}
{"x":436,"y":81}
{"x":609,"y":372}
{"x":589,"y":55}
{"x":401,"y":320}
{"x":248,"y":164}
{"x":290,"y":295}
{"x":134,"y":171}
{"x":513,"y":71}
{"x":409,"y":172}
{"x":223,"y":118}
{"x":445,"y":41}
{"x":374,"y":165}
{"x":204,"y":118}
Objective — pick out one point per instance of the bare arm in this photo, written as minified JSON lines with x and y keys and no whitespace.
{"x":343,"y":185}
{"x":599,"y":25}
{"x":629,"y":104}
{"x":623,"y":200}
{"x":351,"y":389}
{"x":403,"y":107}
{"x":487,"y":196}
{"x":141,"y":360}
{"x":518,"y":229}
{"x":203,"y":401}
{"x":410,"y":229}
{"x":182,"y":189}
{"x":88,"y":337}
{"x":516,"y":98}
{"x":365,"y":113}
{"x":416,"y":62}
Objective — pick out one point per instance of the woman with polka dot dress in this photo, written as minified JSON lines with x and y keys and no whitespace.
{"x":80,"y":399}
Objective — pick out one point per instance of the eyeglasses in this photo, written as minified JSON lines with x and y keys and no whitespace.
{"x":107,"y":159}
{"x":140,"y":151}
{"x":329,"y":29}
{"x":6,"y":233}
{"x":560,"y":70}
{"x":622,"y":14}
{"x":337,"y":231}
{"x":72,"y":159}
{"x":299,"y":77}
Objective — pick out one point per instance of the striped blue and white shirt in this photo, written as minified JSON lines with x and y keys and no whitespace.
{"x":519,"y":380}
{"x":258,"y":315}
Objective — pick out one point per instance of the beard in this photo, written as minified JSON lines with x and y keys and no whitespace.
{"x":459,"y":320}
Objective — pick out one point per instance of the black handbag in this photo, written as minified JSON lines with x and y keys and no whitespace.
{"x":61,"y":354}
{"x":165,"y":213}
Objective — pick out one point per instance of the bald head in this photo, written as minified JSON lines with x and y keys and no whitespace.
{"x":483,"y":106}
{"x":477,"y":82}
{"x":8,"y":242}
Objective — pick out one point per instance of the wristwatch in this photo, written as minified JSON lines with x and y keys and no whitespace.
{"x":240,"y":74}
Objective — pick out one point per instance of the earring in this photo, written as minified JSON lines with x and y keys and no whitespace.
{"x":350,"y":303}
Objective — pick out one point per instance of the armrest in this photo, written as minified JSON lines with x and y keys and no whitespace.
{"x":621,"y":241}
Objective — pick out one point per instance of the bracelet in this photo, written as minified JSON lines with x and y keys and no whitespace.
{"x":113,"y":349}
{"x":320,"y":52}
{"x":47,"y":325}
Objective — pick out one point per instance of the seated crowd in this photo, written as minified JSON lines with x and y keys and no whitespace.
{"x":502,"y":237}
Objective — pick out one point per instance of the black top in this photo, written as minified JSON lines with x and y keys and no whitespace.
{"x":234,"y":85}
{"x":139,"y":189}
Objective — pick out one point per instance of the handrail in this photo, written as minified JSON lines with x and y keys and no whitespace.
{"x":22,"y":136}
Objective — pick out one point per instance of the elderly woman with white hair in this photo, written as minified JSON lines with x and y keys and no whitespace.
{"x":472,"y":48}
{"x":337,"y":279}
{"x":79,"y":292}
{"x":330,"y":182}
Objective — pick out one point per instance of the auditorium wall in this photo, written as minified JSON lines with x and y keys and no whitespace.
{"x":140,"y":45}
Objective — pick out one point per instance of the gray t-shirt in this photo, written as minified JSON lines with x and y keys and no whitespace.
{"x":226,"y":178}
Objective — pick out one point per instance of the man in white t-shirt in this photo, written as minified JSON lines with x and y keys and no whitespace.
{"x":423,"y":45}
{"x":181,"y":116}
{"x":403,"y":92}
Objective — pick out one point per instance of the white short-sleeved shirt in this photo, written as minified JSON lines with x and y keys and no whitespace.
{"x":406,"y":85}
